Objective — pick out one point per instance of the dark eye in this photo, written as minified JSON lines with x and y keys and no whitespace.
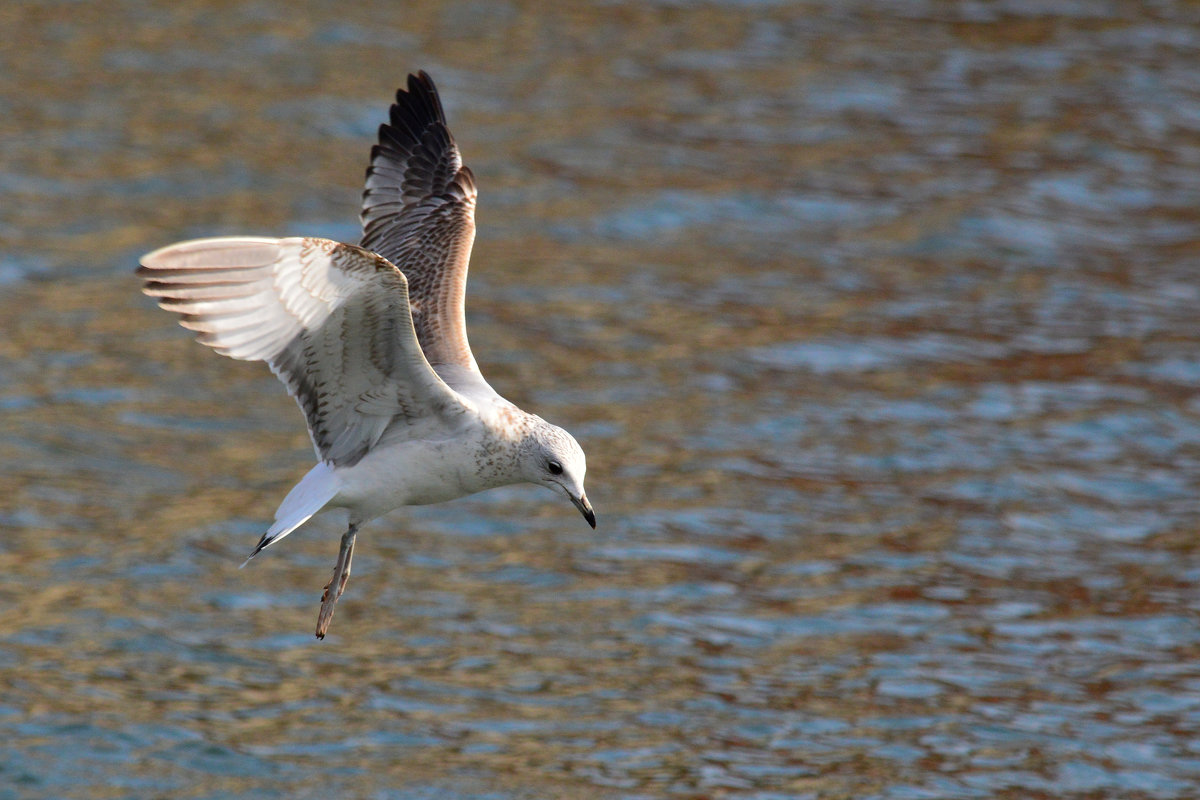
{"x":555,"y":468}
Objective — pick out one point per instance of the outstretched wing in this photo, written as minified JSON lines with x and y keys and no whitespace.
{"x":419,"y":213}
{"x":332,"y":320}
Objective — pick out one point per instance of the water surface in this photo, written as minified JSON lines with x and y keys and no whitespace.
{"x":878,"y":323}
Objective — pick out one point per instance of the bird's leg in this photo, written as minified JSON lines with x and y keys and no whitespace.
{"x":337,"y":584}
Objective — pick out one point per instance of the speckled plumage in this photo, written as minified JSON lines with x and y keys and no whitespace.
{"x":418,"y":211}
{"x":371,"y":341}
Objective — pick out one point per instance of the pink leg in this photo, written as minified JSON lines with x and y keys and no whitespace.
{"x":341,"y":574}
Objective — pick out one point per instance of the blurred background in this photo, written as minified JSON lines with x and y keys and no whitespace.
{"x":878,"y":322}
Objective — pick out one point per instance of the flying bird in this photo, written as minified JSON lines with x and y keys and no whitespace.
{"x":371,"y":341}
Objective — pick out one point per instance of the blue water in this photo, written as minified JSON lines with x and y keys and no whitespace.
{"x":878,"y":325}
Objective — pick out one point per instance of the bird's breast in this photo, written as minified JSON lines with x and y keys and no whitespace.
{"x":421,"y":472}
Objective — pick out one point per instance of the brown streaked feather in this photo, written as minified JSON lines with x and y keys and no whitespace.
{"x":418,"y":212}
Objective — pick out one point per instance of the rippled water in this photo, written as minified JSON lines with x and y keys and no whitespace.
{"x":878,"y":322}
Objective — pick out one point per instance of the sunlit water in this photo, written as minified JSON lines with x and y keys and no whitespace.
{"x":878,"y":323}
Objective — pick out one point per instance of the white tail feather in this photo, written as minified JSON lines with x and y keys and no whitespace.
{"x":305,"y":499}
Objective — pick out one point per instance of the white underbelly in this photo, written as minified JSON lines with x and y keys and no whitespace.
{"x":410,"y":473}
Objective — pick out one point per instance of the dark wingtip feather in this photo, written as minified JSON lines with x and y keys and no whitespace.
{"x":422,"y":80}
{"x":416,"y":132}
{"x":421,"y":100}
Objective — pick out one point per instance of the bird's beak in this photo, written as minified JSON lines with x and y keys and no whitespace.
{"x":585,"y":508}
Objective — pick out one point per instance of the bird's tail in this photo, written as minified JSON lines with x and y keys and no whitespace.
{"x":306,"y":498}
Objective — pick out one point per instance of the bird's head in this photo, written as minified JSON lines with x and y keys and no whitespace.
{"x":552,"y":458}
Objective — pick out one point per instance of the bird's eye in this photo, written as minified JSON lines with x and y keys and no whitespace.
{"x":555,"y":468}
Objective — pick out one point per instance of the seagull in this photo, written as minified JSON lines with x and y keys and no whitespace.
{"x":371,"y":341}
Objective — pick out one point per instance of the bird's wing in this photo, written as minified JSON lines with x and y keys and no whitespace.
{"x":418,"y":212}
{"x":332,"y":321}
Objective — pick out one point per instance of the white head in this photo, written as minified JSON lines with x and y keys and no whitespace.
{"x":552,"y":458}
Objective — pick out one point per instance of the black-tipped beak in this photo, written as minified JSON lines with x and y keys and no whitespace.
{"x":585,"y":508}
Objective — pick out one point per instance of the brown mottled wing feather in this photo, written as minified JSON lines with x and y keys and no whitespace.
{"x":331,"y":320}
{"x":419,"y":213}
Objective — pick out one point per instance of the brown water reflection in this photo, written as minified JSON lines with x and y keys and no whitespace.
{"x":877,"y":323}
